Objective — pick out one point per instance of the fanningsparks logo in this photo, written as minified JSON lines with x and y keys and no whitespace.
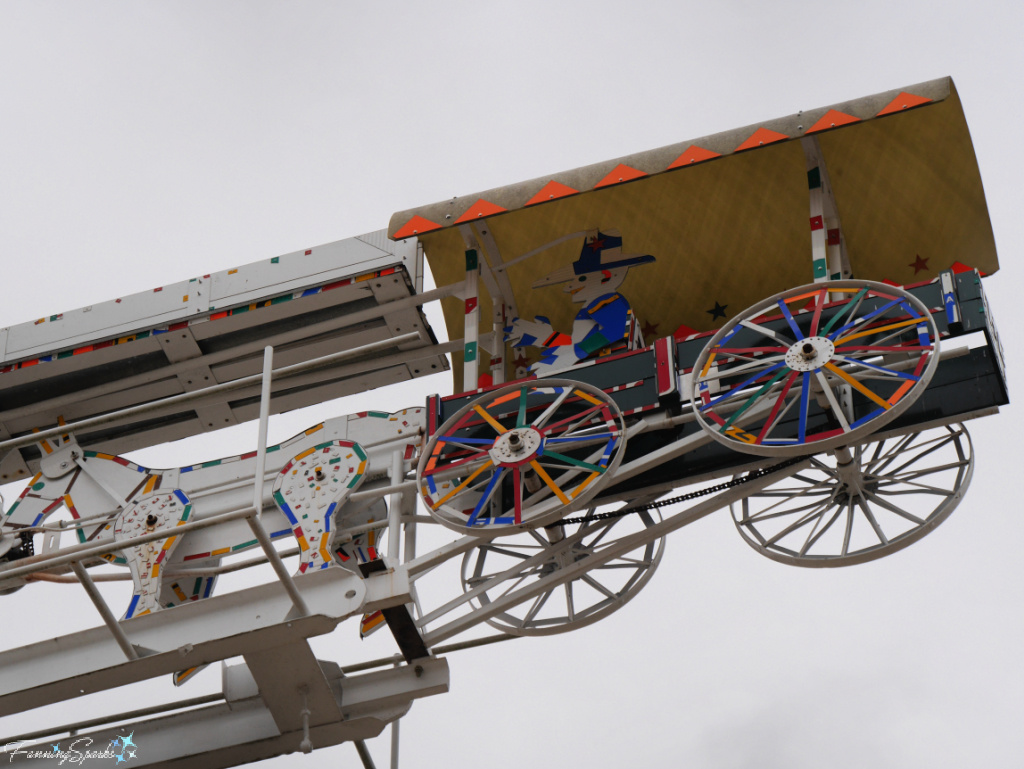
{"x":122,"y":749}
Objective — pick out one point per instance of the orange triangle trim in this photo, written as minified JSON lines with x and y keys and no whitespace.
{"x":693,"y":154}
{"x":479,"y":210}
{"x":551,"y":191}
{"x":832,"y":119}
{"x":903,"y":101}
{"x":416,"y":226}
{"x":759,"y":137}
{"x":621,"y":173}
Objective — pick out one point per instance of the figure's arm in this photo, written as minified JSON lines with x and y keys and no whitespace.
{"x":534,"y":333}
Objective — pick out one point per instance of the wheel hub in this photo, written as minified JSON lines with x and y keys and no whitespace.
{"x":810,"y":354}
{"x":516,"y":446}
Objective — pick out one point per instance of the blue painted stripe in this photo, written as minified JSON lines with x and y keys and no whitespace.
{"x":789,"y":319}
{"x":288,"y":512}
{"x":181,"y":496}
{"x":872,"y":415}
{"x":486,"y":497}
{"x":836,"y":334}
{"x":740,"y":386}
{"x":187,"y":469}
{"x":131,"y":606}
{"x":431,"y":485}
{"x":280,"y":533}
{"x":453,"y":439}
{"x":209,"y":587}
{"x":578,"y":439}
{"x":899,"y":374}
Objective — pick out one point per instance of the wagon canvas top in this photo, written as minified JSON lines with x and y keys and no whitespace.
{"x":726,"y":216}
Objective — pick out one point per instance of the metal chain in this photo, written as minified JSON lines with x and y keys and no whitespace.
{"x":682,"y":497}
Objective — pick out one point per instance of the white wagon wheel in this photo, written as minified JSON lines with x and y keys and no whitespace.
{"x":509,"y":564}
{"x":521,"y":456}
{"x":796,"y":374}
{"x":888,"y":495}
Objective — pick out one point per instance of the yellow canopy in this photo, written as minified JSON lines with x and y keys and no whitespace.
{"x":727,"y":216}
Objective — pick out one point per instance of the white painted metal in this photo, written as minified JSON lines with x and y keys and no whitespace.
{"x":850,"y":367}
{"x":861,"y":503}
{"x":261,"y":439}
{"x":494,"y":568}
{"x":242,"y":729}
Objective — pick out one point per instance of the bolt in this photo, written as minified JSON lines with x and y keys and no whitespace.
{"x":418,"y":670}
{"x":151,"y":520}
{"x":515,"y":441}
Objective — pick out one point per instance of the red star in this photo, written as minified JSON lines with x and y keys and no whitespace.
{"x":649,"y":330}
{"x":596,"y":243}
{"x":522,"y":361}
{"x":919,"y":264}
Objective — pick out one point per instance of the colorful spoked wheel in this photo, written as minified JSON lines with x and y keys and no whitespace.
{"x":814,"y":368}
{"x":496,"y":570}
{"x":521,"y":456}
{"x":861,"y":503}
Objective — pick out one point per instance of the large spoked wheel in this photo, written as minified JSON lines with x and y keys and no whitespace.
{"x":814,"y":368}
{"x":862,"y":503}
{"x":508,"y":565}
{"x":521,"y":456}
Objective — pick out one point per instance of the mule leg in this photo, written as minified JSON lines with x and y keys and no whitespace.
{"x":162,"y":510}
{"x":311,"y":488}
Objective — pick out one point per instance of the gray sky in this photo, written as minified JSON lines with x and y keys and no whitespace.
{"x":141,"y":144}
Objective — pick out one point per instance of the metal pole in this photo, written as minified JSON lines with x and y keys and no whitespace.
{"x":108,"y":617}
{"x":85,"y":550}
{"x":279,"y":568}
{"x":394,"y":740}
{"x":395,"y":507}
{"x":364,"y":754}
{"x":261,"y":445}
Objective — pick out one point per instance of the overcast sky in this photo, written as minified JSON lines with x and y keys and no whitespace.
{"x":146,"y":143}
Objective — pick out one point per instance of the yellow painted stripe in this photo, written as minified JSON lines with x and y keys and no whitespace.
{"x":547,"y":479}
{"x":169,"y":543}
{"x":156,"y":570}
{"x":858,"y":386}
{"x":707,"y":366}
{"x":490,"y":420}
{"x":870,"y":331}
{"x":150,"y":484}
{"x":486,"y":463}
{"x":589,"y":398}
{"x":221,"y":551}
{"x":312,"y":430}
{"x":585,"y":483}
{"x":304,"y":454}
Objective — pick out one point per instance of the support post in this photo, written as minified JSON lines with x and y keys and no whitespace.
{"x":261,"y":446}
{"x":395,"y":507}
{"x":828,"y":247}
{"x":471,"y":337}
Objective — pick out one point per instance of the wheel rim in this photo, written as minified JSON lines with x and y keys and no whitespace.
{"x":521,"y":456}
{"x":503,"y":566}
{"x":891,"y":493}
{"x":795,"y":374}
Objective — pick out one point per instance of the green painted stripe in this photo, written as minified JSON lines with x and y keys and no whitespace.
{"x":359,"y":451}
{"x":334,"y":461}
{"x":244,"y":545}
{"x":577,"y":462}
{"x":835,"y":318}
{"x":750,"y":401}
{"x":212,"y":463}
